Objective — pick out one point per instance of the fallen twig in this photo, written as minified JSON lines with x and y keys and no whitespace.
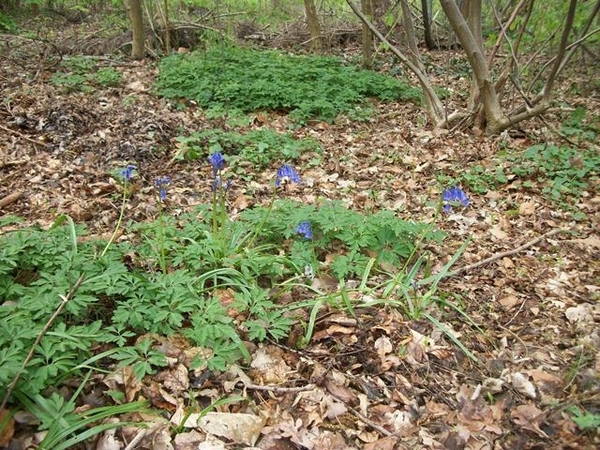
{"x":10,"y":198}
{"x":21,"y":135}
{"x":501,"y":255}
{"x":65,"y":300}
{"x":281,"y":389}
{"x":370,"y":423}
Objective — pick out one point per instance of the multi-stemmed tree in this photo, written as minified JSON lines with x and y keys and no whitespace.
{"x":493,"y":77}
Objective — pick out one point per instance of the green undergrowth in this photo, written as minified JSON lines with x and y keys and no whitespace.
{"x":72,"y":305}
{"x":561,"y":173}
{"x":125,"y":294}
{"x":306,"y":87}
{"x":83,"y":74}
{"x":256,"y":148}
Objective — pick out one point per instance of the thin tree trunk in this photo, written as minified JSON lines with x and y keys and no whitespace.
{"x":314,"y":28}
{"x":166,"y":25}
{"x":367,"y":35}
{"x":436,"y":111}
{"x":482,"y":77}
{"x":561,"y":51}
{"x":134,"y":8}
{"x":411,"y":41}
{"x":426,"y":15}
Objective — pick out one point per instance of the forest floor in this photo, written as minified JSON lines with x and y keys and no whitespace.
{"x":538,"y":345}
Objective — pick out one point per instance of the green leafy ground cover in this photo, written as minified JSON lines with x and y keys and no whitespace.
{"x":306,"y":87}
{"x":221,"y":280}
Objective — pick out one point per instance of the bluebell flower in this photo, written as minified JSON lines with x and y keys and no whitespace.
{"x":286,"y":172}
{"x":161,"y":184}
{"x":217,"y":184}
{"x":454,"y":195}
{"x":304,"y":230}
{"x":217,"y":161}
{"x":127,"y":172}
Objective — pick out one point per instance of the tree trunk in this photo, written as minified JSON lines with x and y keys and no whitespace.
{"x":481,"y":75}
{"x":435,"y":108}
{"x":471,"y":11}
{"x":426,"y":15}
{"x":314,"y":28}
{"x":367,"y":35}
{"x":138,"y":47}
{"x":166,"y":25}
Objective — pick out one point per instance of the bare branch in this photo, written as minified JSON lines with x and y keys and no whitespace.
{"x":65,"y":299}
{"x":560,"y":53}
{"x":437,"y":109}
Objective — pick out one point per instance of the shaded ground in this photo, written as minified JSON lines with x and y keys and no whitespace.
{"x":350,"y":387}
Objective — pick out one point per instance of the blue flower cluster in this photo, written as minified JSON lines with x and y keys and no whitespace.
{"x":304,"y":229}
{"x":161,"y":183}
{"x":127,"y":172}
{"x":454,"y":195}
{"x":217,"y":161}
{"x":287,"y":173}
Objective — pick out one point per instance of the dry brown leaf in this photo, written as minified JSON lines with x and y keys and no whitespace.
{"x":189,"y":440}
{"x":383,"y":346}
{"x":272,"y":368}
{"x":522,"y":385}
{"x":240,"y":428}
{"x":580,"y":313}
{"x":529,"y":418}
{"x":527,"y":208}
{"x":498,"y":233}
{"x":386,"y":443}
{"x":509,"y":302}
{"x":340,"y":392}
{"x":8,"y":429}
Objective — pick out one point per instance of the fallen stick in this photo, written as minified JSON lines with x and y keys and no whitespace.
{"x":10,"y":198}
{"x":21,"y":135}
{"x":501,"y":255}
{"x":279,"y":389}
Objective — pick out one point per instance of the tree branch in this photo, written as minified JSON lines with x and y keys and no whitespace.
{"x":560,"y":54}
{"x":501,"y":255}
{"x":437,"y":110}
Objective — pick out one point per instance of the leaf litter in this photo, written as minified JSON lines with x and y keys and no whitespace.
{"x":373,"y":380}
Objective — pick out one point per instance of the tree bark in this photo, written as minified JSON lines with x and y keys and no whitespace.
{"x":314,"y":28}
{"x":481,"y":75}
{"x":436,"y":109}
{"x":367,"y":35}
{"x":426,"y":15}
{"x":138,"y":46}
{"x":167,"y":26}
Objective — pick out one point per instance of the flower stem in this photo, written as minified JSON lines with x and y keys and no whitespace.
{"x":118,"y":225}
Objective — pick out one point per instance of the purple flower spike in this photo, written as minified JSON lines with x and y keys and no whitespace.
{"x":454,"y":195}
{"x":217,"y":161}
{"x":285,"y":173}
{"x":127,"y":172}
{"x":218,"y":184}
{"x":304,"y":230}
{"x":161,"y":184}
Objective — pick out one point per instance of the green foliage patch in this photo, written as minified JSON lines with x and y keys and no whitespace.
{"x":307,"y":87}
{"x":256,"y":147}
{"x":116,"y":302}
{"x":561,"y":173}
{"x":81,"y":74}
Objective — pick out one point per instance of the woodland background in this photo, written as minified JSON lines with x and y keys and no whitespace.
{"x":321,"y":224}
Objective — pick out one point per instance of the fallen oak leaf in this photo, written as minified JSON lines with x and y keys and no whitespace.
{"x":529,"y":418}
